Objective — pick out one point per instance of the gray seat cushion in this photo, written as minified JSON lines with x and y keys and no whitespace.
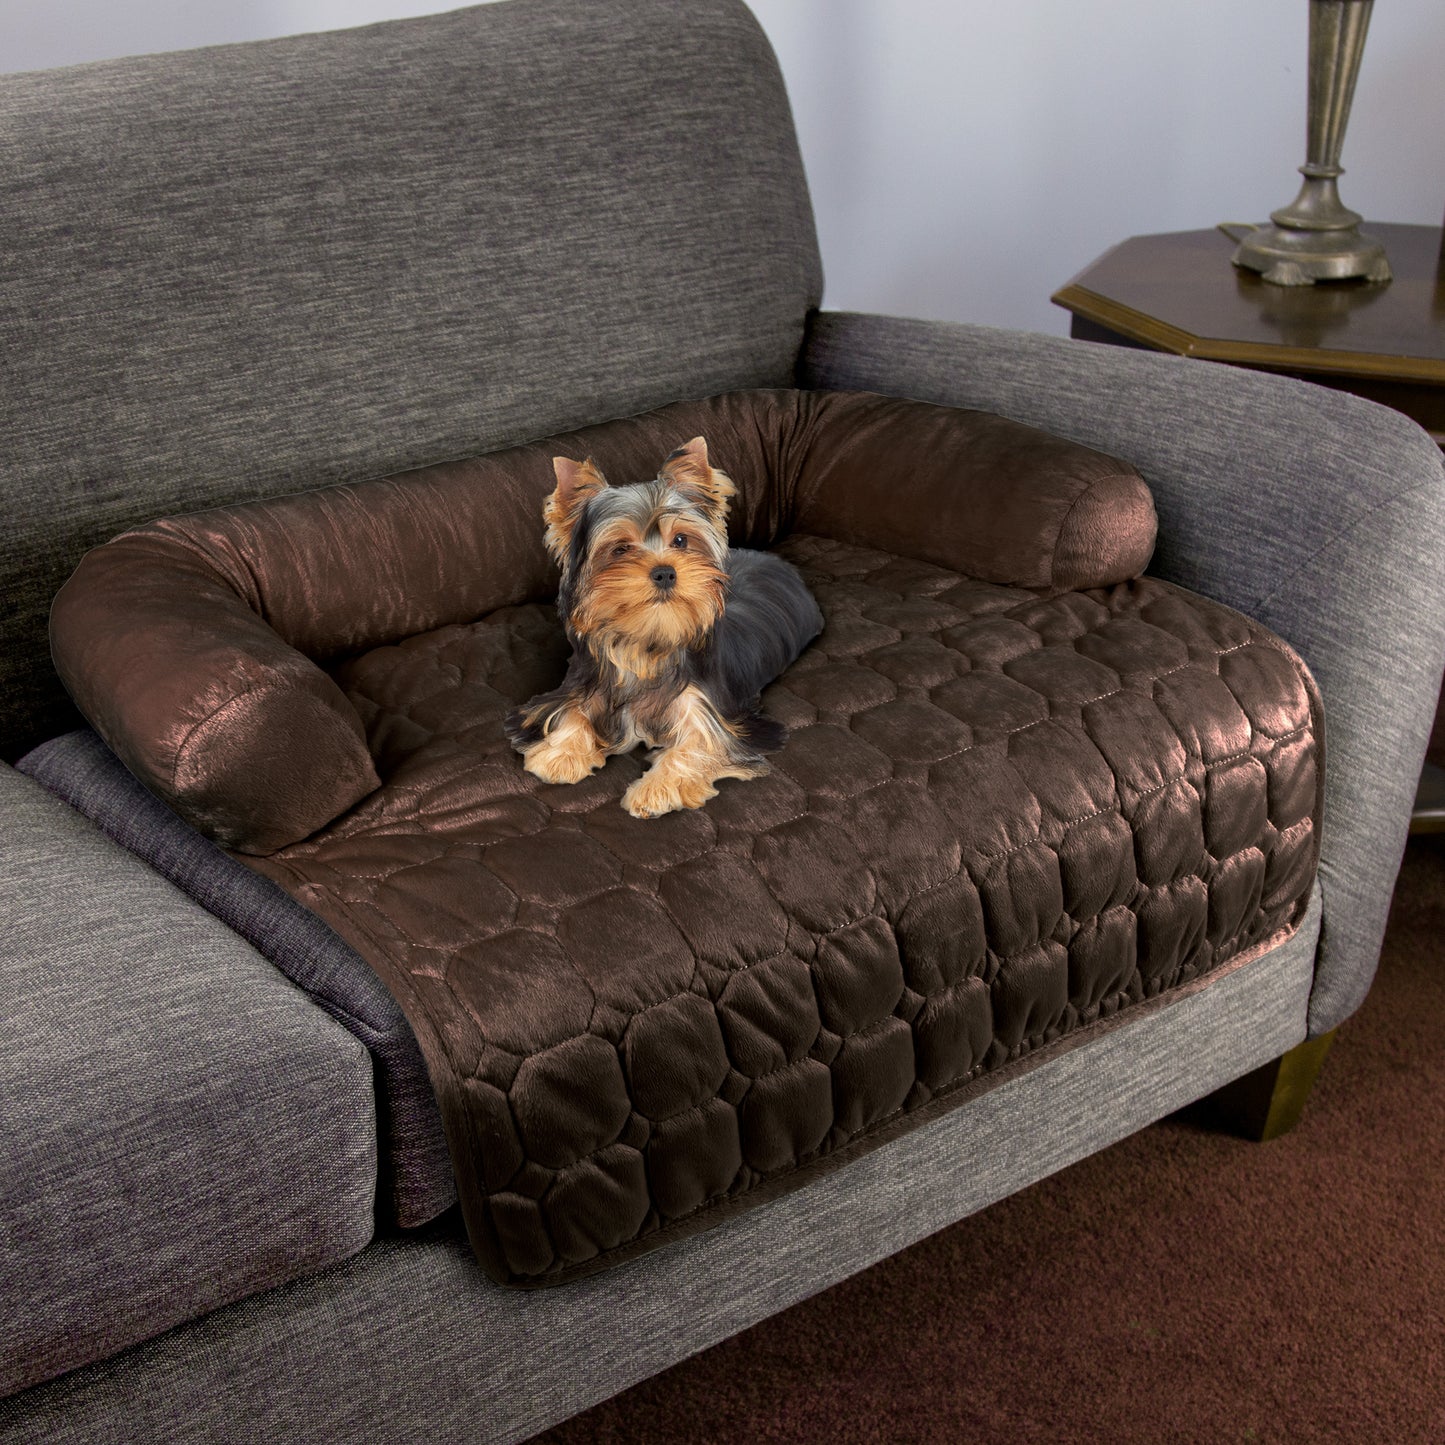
{"x":416,"y":1182}
{"x":182,"y":1126}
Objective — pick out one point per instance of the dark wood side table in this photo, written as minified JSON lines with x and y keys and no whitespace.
{"x":1179,"y":293}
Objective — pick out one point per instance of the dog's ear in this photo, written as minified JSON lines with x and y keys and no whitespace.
{"x":576,"y":482}
{"x":688,"y":470}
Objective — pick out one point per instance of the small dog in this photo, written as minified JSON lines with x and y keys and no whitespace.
{"x":674,"y":635}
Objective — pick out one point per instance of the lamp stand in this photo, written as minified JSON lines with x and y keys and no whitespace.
{"x":1316,"y":238}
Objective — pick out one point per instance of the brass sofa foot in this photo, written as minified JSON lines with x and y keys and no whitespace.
{"x":1269,"y":1101}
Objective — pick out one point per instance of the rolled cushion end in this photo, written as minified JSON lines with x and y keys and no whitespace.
{"x":980,"y":494}
{"x":1107,"y":535}
{"x":272,"y":766}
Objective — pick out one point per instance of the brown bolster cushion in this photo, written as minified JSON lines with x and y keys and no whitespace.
{"x":197,"y":646}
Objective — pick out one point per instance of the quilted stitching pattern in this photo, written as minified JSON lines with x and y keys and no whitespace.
{"x":998,"y":818}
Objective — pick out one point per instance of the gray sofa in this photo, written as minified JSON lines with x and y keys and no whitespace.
{"x":246,"y":271}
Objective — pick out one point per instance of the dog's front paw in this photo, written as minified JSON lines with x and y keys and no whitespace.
{"x":566,"y":760}
{"x":657,"y":792}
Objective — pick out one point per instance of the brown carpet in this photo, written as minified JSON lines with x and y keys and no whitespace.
{"x":1181,"y":1286}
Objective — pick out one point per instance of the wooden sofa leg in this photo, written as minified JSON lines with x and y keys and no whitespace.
{"x":1269,"y":1101}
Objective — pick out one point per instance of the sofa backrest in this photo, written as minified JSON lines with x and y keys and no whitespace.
{"x":254,"y":269}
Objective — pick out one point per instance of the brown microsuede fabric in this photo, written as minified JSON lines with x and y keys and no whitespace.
{"x":1000,"y":819}
{"x":1021,"y":793}
{"x":190,"y":643}
{"x":250,"y":741}
{"x":1000,"y":502}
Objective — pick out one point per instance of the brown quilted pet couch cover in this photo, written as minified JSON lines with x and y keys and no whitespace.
{"x":1004,"y":812}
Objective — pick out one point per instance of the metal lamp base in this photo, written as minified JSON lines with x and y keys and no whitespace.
{"x":1289,"y":257}
{"x":1316,"y":238}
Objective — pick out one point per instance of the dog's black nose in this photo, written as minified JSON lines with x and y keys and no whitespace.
{"x":664,"y":576}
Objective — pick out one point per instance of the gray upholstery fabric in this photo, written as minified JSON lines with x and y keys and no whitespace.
{"x":181,"y":1126}
{"x":252,"y":269}
{"x":1320,"y":515}
{"x":408,"y":1342}
{"x":416,"y":1181}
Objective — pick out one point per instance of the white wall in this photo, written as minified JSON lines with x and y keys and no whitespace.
{"x":968,"y":157}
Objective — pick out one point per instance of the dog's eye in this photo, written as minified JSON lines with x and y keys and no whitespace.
{"x":621,"y":549}
{"x":680,"y":541}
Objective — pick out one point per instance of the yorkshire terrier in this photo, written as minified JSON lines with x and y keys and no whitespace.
{"x":674,"y":634}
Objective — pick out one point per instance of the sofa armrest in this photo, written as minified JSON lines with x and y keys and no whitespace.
{"x":1318,"y":514}
{"x":182,"y":1126}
